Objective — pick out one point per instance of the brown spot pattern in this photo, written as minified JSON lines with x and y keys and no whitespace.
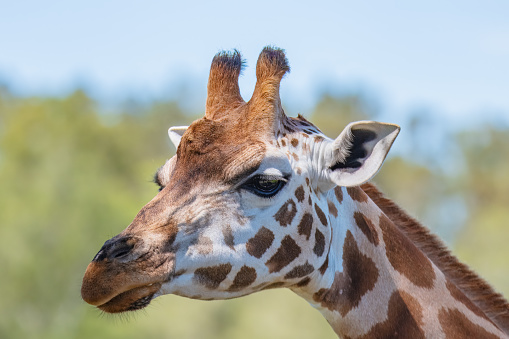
{"x":305,"y":225}
{"x":318,"y":138}
{"x":295,"y":142}
{"x":319,"y":243}
{"x":309,"y":201}
{"x":303,"y":282}
{"x":332,"y":208}
{"x":286,"y":253}
{"x":204,"y":245}
{"x":459,"y":296}
{"x":324,"y":266}
{"x":212,"y":276}
{"x":405,"y":257}
{"x":358,"y":277}
{"x":245,"y":277}
{"x":357,"y":194}
{"x":258,"y":244}
{"x":286,"y":213}
{"x":276,"y":284}
{"x":228,"y":237}
{"x":178,"y":273}
{"x":300,"y":194}
{"x":321,"y":215}
{"x":300,"y":271}
{"x":456,"y":325}
{"x":366,"y":227}
{"x":404,"y":319}
{"x":283,"y":142}
{"x":339,"y":194}
{"x":295,"y":157}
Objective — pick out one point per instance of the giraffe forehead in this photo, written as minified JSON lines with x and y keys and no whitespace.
{"x":222,"y":150}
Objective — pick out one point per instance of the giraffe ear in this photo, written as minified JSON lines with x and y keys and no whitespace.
{"x":359,"y":151}
{"x":175,"y":133}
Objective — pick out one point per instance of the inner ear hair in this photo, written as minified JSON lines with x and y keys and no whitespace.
{"x":355,"y":151}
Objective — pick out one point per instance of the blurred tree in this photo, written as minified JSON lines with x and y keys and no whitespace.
{"x":484,"y":182}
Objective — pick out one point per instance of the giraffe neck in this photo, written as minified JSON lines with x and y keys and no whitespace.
{"x":377,"y":283}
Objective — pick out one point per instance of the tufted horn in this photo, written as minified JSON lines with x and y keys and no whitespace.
{"x":223,"y":88}
{"x":272,"y":65}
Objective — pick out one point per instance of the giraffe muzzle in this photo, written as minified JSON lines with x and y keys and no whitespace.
{"x":126,"y":273}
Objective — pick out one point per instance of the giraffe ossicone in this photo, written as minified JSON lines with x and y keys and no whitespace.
{"x":254,"y":199}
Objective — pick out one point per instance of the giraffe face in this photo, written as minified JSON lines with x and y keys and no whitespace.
{"x":242,"y":204}
{"x":217,"y":229}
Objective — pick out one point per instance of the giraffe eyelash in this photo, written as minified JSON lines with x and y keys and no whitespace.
{"x":265,"y":186}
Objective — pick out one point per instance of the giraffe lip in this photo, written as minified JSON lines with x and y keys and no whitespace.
{"x":131,"y":300}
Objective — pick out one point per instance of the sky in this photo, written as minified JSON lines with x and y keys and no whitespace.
{"x":449,"y":56}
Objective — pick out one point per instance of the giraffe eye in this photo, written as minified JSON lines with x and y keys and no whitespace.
{"x":263,"y":186}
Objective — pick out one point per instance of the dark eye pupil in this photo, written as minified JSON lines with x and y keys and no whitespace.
{"x":263,"y":186}
{"x":267,"y":185}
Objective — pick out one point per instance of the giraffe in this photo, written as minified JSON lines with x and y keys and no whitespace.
{"x":255,"y":200}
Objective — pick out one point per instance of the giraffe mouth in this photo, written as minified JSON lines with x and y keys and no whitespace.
{"x":131,"y":300}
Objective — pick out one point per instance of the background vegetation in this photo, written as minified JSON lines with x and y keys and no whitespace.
{"x":73,"y":174}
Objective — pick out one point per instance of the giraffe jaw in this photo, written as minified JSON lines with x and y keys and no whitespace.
{"x":131,"y":300}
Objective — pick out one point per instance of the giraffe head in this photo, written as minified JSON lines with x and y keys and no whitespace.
{"x":241,"y":204}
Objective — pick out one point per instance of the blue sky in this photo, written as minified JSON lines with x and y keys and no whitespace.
{"x":451,"y":56}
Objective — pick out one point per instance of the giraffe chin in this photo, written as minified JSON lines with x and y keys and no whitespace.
{"x":131,"y":300}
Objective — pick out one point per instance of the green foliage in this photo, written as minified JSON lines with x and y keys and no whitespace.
{"x":71,"y":176}
{"x":485,"y":184}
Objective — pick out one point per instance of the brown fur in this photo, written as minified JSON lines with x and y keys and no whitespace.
{"x":457,"y":326}
{"x":319,"y":243}
{"x":300,"y":271}
{"x":321,"y":215}
{"x":358,"y":277}
{"x":404,"y":319}
{"x":286,"y":213}
{"x":265,"y":104}
{"x":216,"y":151}
{"x":245,"y":277}
{"x":300,"y":194}
{"x":405,"y":257}
{"x":305,"y":225}
{"x":367,"y":227}
{"x":211,"y":277}
{"x":286,"y":253}
{"x":223,"y":91}
{"x":339,"y":194}
{"x":473,"y":286}
{"x":257,"y":245}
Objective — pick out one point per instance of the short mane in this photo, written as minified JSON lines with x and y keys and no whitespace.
{"x":493,"y":304}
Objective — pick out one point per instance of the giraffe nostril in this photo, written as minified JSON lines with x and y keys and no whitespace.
{"x":120,"y":252}
{"x":115,"y":248}
{"x":120,"y":249}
